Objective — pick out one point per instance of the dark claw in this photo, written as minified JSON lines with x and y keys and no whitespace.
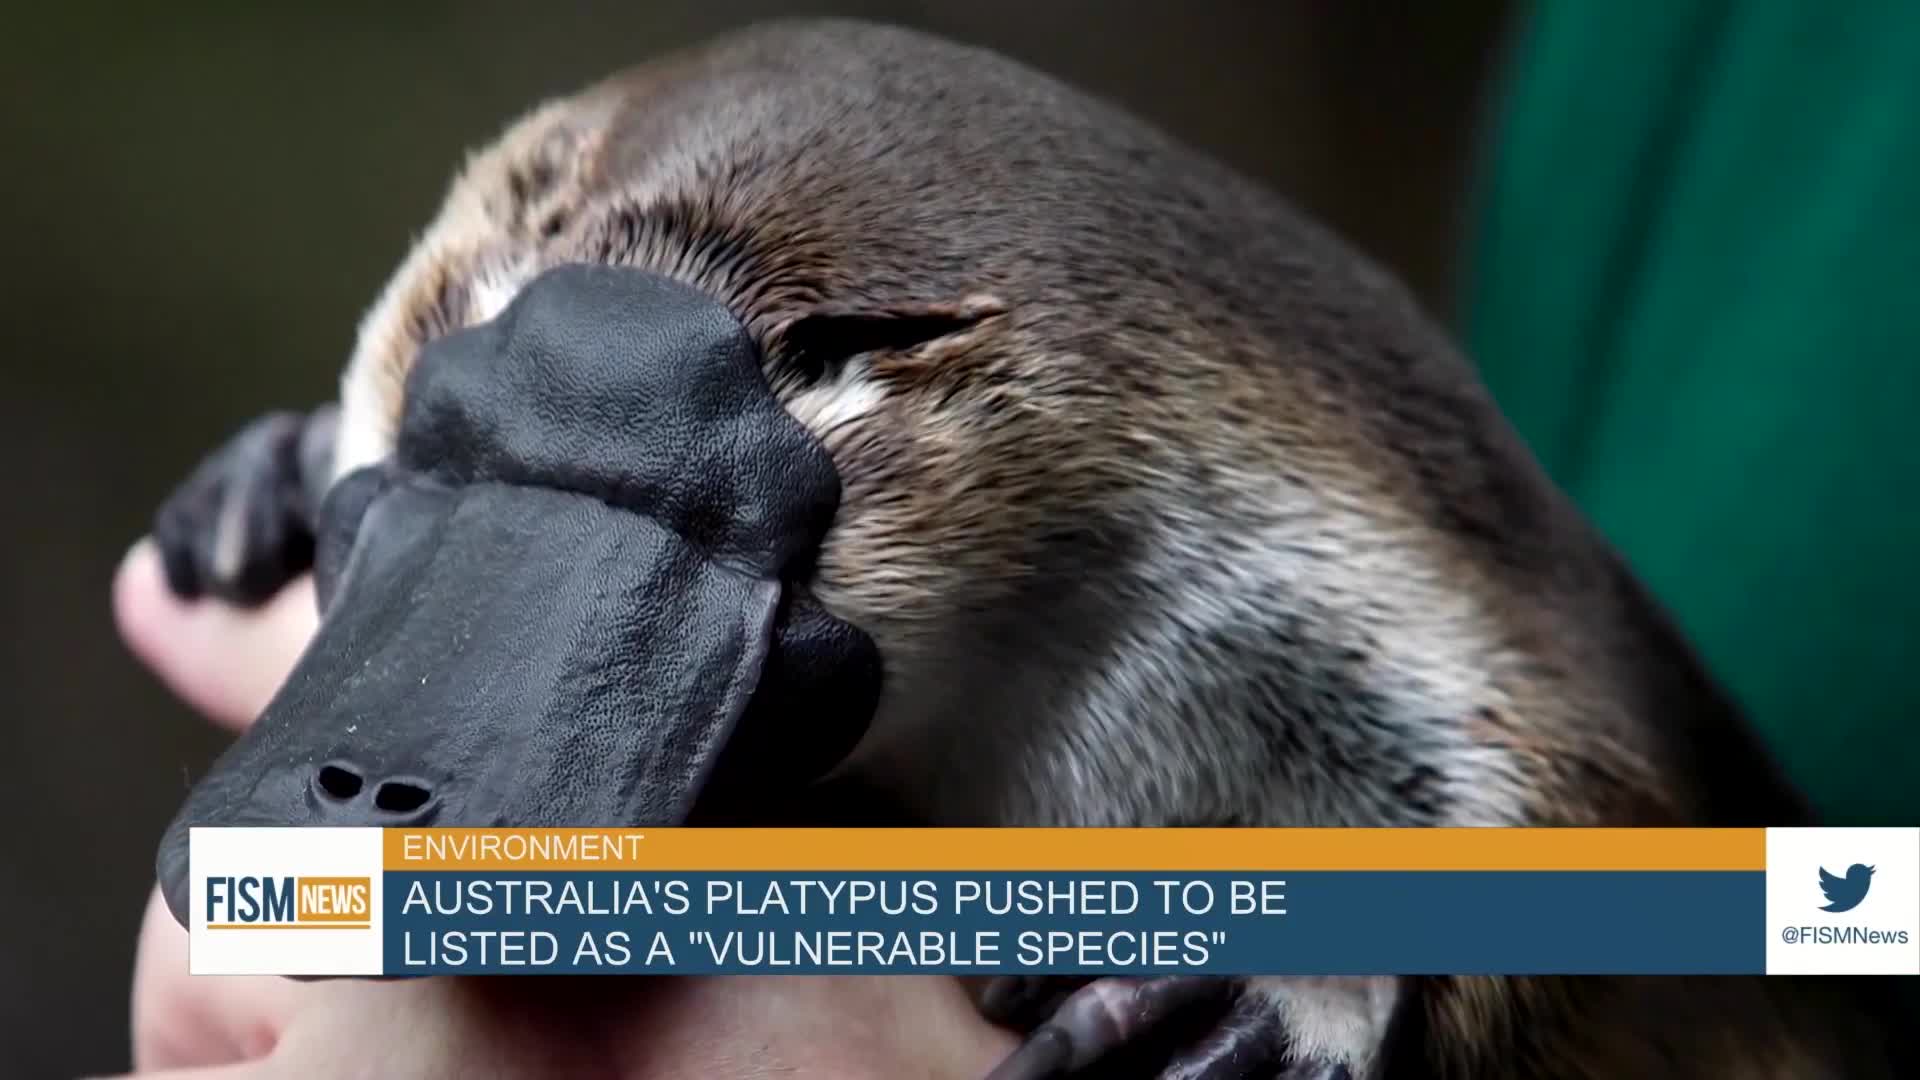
{"x":1249,"y":1042}
{"x":1102,"y":1017}
{"x":1024,"y":1002}
{"x":241,"y":526}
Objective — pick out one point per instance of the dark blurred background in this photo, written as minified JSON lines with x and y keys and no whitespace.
{"x":201,"y":199}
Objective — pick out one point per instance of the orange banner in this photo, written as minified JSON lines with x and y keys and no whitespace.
{"x":1074,"y":849}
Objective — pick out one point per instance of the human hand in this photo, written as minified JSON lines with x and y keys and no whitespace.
{"x":227,"y":663}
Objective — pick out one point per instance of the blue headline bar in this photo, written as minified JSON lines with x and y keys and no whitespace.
{"x":1122,"y":923}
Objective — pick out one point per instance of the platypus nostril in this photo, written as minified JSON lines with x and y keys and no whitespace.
{"x":339,"y":782}
{"x":400,"y":796}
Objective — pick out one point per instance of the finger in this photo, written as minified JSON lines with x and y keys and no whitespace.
{"x":224,"y":661}
{"x":180,"y":1020}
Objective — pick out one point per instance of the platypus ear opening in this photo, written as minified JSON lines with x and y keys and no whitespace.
{"x":816,"y":342}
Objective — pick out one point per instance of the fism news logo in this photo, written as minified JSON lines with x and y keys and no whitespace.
{"x":285,"y":902}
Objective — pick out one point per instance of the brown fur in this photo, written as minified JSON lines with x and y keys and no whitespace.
{"x":1173,"y":378}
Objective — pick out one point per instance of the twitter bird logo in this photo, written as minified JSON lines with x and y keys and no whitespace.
{"x":1845,"y":893}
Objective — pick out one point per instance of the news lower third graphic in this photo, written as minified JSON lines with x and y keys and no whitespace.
{"x":399,"y":902}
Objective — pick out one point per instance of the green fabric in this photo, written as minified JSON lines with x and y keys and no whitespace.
{"x":1696,"y":290}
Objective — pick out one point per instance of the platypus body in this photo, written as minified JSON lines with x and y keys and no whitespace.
{"x":1160,"y":505}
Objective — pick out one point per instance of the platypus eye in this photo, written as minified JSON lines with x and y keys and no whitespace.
{"x":815,"y":344}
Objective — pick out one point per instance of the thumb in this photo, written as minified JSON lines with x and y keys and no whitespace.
{"x":223,"y":660}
